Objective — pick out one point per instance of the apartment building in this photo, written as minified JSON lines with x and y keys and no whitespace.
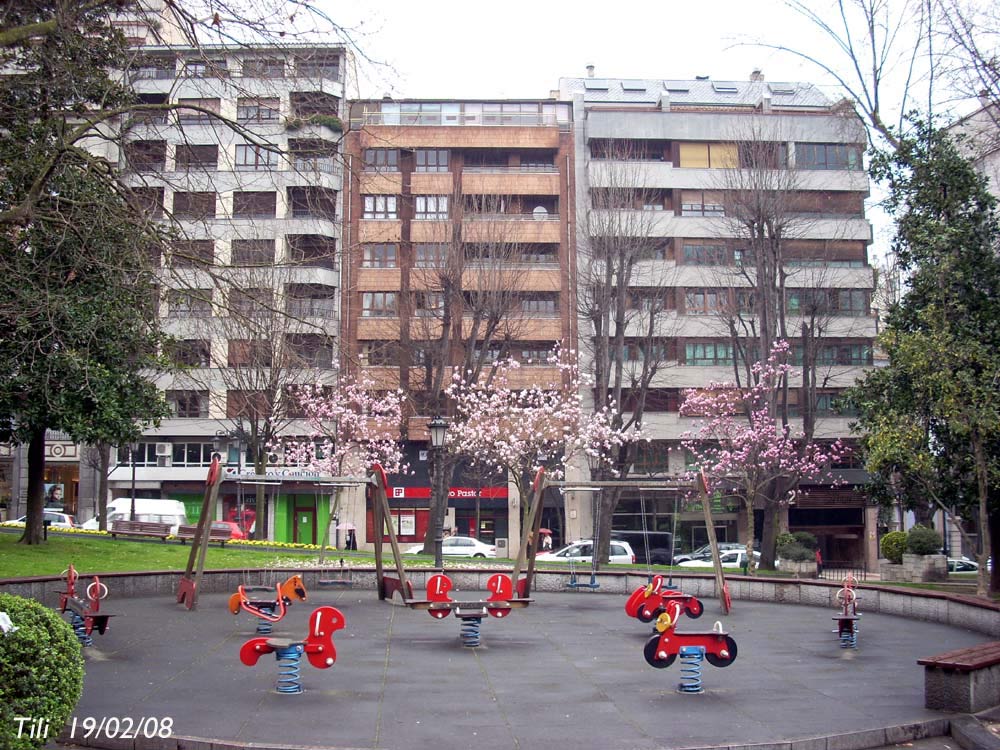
{"x":246,"y":168}
{"x":460,"y":216}
{"x":684,"y":168}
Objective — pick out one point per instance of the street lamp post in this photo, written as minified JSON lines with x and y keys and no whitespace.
{"x":438,"y":428}
{"x":133,"y":448}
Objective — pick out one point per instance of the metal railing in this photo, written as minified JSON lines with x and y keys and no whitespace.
{"x":838,"y":570}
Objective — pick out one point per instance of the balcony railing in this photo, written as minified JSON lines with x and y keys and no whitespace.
{"x":312,"y":308}
{"x":513,"y":119}
{"x":523,"y":168}
{"x":512,"y":217}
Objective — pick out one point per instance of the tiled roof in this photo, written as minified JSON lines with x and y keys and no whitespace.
{"x":693,"y":92}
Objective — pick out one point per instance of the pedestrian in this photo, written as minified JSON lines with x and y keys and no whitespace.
{"x":547,"y":543}
{"x":819,"y":561}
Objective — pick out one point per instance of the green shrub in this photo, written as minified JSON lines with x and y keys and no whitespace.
{"x":923,"y":541}
{"x":806,"y":539}
{"x":789,"y":547}
{"x":41,"y":671}
{"x":893,"y":545}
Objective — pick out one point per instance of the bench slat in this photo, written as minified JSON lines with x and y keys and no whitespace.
{"x":966,"y":659}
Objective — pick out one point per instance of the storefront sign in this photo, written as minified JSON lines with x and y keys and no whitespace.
{"x":423,"y":493}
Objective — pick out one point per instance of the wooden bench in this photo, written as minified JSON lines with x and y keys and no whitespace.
{"x":214,"y":535}
{"x":965,"y":680}
{"x":140,"y":528}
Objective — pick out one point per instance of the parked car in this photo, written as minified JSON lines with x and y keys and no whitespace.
{"x":237,"y":532}
{"x":961,"y":565}
{"x":657,"y":542}
{"x":704,"y":552}
{"x":56,"y":518}
{"x":731,"y":559}
{"x":459,"y":546}
{"x":582,"y":551}
{"x":160,"y":510}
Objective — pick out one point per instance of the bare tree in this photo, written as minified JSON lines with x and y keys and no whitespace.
{"x":785,"y":242}
{"x":625,"y":296}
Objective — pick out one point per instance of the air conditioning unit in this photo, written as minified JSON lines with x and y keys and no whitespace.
{"x":162,"y":462}
{"x":164,"y":449}
{"x":272,"y":458}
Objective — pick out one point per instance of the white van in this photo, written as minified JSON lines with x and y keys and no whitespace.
{"x":162,"y":510}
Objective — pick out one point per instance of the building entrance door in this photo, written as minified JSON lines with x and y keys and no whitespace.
{"x":304,"y":529}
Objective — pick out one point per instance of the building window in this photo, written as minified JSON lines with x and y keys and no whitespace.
{"x":187,"y":405}
{"x":432,"y":160}
{"x":190,"y":157}
{"x":381,"y":159}
{"x":708,"y":354}
{"x":194,"y":205}
{"x":249,"y":302}
{"x":703,"y":255}
{"x":184,"y":114}
{"x":255,"y":205}
{"x":853,"y":302}
{"x":252,"y":156}
{"x":149,"y":201}
{"x":379,"y":305}
{"x":709,"y":155}
{"x":704,"y":301}
{"x":191,"y":353}
{"x":655,"y":350}
{"x":431,"y":207}
{"x":844,"y":355}
{"x":250,"y":109}
{"x":146,"y":156}
{"x":429,"y":304}
{"x":430,"y":254}
{"x":192,"y":253}
{"x":380,"y":207}
{"x":196,"y":303}
{"x":380,"y":353}
{"x":253,"y":252}
{"x":319,"y":66}
{"x":254,"y":405}
{"x":540,"y":305}
{"x":701,"y":203}
{"x":312,"y":203}
{"x":206,"y":68}
{"x":312,"y":250}
{"x":264,"y":67}
{"x":192,"y":454}
{"x":536,"y":353}
{"x":379,"y":255}
{"x":250,"y":353}
{"x":827,"y":156}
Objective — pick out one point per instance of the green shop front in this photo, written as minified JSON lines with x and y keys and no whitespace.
{"x":283,"y":505}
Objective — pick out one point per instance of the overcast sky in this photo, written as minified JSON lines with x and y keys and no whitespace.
{"x":520,"y":48}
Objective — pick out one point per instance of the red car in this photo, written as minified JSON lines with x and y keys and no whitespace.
{"x":237,"y":532}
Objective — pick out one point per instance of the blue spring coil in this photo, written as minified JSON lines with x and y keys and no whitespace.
{"x":691,"y":659}
{"x":264,"y":627}
{"x":849,"y":638}
{"x":289,"y":666}
{"x":80,"y":628}
{"x":470,"y":631}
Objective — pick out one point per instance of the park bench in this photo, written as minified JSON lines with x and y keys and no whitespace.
{"x":966,"y":680}
{"x":220,"y":535}
{"x":140,"y":528}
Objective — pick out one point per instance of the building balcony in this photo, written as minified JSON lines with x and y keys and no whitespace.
{"x":511,"y":181}
{"x":660,"y":174}
{"x":512,"y":228}
{"x":491,"y":136}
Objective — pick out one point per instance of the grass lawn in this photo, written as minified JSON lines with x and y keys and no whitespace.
{"x":93,"y":554}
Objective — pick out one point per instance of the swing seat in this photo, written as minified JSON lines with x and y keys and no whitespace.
{"x":575,"y":584}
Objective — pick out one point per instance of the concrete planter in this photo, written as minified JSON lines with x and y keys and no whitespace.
{"x":915,"y":568}
{"x":800,"y":569}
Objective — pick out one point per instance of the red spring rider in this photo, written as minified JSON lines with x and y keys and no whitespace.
{"x":648,"y":602}
{"x":84,"y":615}
{"x":317,"y":646}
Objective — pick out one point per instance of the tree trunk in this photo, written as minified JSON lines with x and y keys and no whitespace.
{"x":769,"y":535}
{"x":994,"y":532}
{"x":103,"y":464}
{"x":982,"y":580}
{"x":260,"y":469}
{"x":33,"y":529}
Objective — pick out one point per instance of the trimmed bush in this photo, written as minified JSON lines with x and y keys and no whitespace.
{"x":923,"y":541}
{"x":806,"y":539}
{"x":41,"y":671}
{"x":789,"y":547}
{"x":893,"y":545}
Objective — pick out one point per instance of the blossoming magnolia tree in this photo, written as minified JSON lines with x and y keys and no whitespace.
{"x":352,"y":426}
{"x":739,"y":437}
{"x":500,"y":425}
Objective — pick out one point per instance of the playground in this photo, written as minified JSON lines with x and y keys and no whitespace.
{"x":567,"y":671}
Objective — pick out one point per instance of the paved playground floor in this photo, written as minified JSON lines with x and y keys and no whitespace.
{"x":568,"y":671}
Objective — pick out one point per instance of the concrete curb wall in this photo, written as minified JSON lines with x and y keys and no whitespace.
{"x":952,"y":609}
